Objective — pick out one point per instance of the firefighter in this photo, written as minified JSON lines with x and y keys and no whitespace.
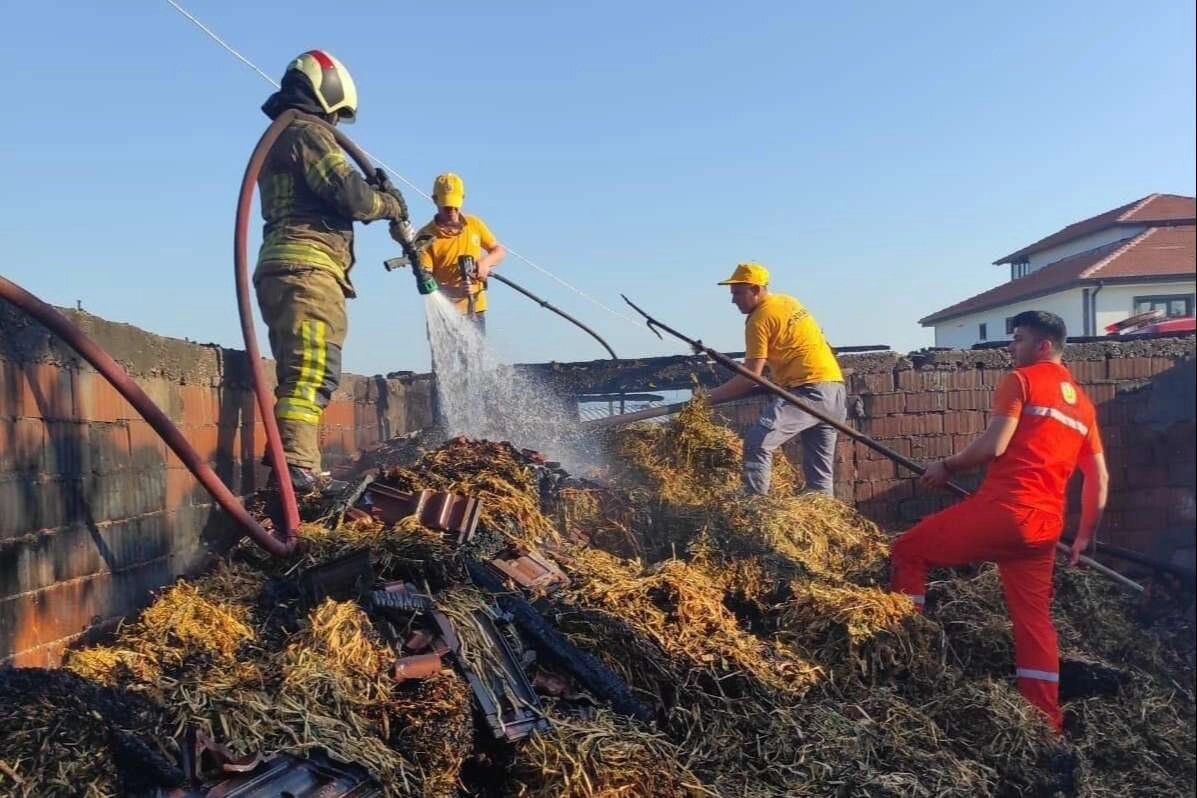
{"x":1043,"y":426}
{"x":782,"y":333}
{"x":310,"y":197}
{"x":449,"y":237}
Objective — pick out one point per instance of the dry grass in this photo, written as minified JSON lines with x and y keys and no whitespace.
{"x":758,"y":630}
{"x":328,"y":686}
{"x":603,"y":756}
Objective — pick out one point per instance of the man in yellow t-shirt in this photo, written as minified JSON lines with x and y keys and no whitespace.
{"x":451,"y":236}
{"x":783,"y":334}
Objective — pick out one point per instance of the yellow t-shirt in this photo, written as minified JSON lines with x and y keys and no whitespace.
{"x":440,"y":248}
{"x":783,"y":332}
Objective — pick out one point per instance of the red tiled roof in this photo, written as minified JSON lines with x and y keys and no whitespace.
{"x":1152,"y":209}
{"x":1162,"y":208}
{"x":1158,"y":252}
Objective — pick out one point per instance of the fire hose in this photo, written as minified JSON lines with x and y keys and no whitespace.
{"x":274,"y":441}
{"x":547,"y":306}
{"x":859,"y":437}
{"x":124,"y":384}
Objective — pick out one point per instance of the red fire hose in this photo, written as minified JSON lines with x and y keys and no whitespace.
{"x":120,"y":379}
{"x":274,"y":442}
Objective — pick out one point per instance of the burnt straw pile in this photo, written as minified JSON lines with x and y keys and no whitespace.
{"x":668,"y":637}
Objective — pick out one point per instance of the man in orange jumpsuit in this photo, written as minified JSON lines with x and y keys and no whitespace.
{"x":1042,"y":428}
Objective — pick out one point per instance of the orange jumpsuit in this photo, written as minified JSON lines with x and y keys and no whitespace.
{"x":1015,"y":518}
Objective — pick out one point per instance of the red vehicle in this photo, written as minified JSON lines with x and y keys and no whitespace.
{"x":1153,"y":321}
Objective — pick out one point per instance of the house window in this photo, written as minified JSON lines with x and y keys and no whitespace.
{"x":983,"y":331}
{"x":1173,"y":305}
{"x":1009,"y":325}
{"x":1019,"y":270}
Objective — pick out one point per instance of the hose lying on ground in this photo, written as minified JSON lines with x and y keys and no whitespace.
{"x":124,"y":384}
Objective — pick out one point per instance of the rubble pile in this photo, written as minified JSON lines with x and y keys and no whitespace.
{"x":758,"y":651}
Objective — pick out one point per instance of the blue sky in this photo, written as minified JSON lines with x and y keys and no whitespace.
{"x":876,"y":156}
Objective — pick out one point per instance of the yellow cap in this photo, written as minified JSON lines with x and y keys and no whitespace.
{"x":748,"y":274}
{"x":448,"y":191}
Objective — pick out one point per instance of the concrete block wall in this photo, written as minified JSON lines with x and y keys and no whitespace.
{"x":95,"y":511}
{"x":929,"y":405}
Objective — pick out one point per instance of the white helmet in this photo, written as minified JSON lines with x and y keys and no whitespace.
{"x":330,"y":81}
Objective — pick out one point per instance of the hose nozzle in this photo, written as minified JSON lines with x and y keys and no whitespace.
{"x":425,"y":283}
{"x":468,"y":268}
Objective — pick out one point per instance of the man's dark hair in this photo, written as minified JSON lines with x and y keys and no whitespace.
{"x":1043,"y":325}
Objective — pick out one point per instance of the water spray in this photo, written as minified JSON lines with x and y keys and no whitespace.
{"x":468,"y":271}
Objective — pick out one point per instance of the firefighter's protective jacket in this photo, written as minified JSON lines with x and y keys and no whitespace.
{"x":311,"y":196}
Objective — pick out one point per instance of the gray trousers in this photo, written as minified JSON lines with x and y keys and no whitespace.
{"x":781,"y":421}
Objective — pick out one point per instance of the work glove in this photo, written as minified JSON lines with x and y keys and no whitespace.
{"x":398,"y":209}
{"x":402,"y":231}
{"x":392,"y":208}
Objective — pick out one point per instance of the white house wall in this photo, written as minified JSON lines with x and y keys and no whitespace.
{"x":1083,"y":244}
{"x":1116,"y":302}
{"x":962,"y":331}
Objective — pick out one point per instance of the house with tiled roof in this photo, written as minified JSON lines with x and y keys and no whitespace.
{"x":1098,"y":271}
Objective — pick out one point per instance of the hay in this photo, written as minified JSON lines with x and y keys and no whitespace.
{"x":111,"y":666}
{"x":432,"y":725}
{"x":496,"y":473}
{"x":757,"y":629}
{"x":66,"y":736}
{"x":205,"y":621}
{"x":337,"y":687}
{"x":692,"y":461}
{"x":864,"y":630}
{"x":722,"y":693}
{"x":679,"y":607}
{"x":603,"y":756}
{"x":338,"y":657}
{"x":1140,"y":744}
{"x":185,"y":623}
{"x":406,"y":551}
{"x":901,"y":703}
{"x":327,"y":685}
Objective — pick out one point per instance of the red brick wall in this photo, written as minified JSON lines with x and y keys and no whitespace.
{"x":95,"y":511}
{"x":929,"y":405}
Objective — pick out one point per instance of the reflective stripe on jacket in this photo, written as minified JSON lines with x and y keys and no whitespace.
{"x":311,"y":197}
{"x":1056,"y":420}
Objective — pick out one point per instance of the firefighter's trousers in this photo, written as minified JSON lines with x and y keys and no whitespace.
{"x":1022,"y":541}
{"x":304,"y":309}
